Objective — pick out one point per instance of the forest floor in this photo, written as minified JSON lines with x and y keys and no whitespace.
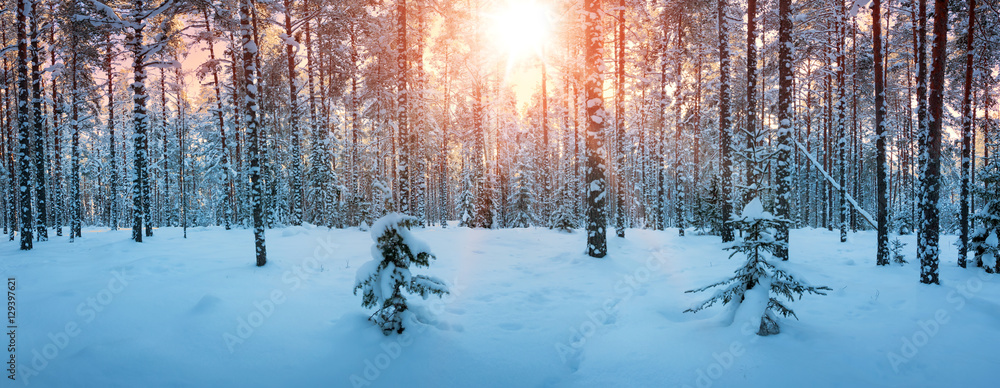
{"x":528,"y":308}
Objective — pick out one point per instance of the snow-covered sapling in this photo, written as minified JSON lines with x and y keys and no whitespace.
{"x":760,"y":278}
{"x":897,"y":251}
{"x":383,"y":279}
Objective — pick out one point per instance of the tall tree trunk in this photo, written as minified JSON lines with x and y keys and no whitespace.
{"x":843,"y":210}
{"x":596,"y":185}
{"x":882,"y":255}
{"x":140,"y":122}
{"x":927,"y":247}
{"x":25,"y":164}
{"x":113,"y":165}
{"x":967,"y":133}
{"x":783,"y":167}
{"x":921,"y":55}
{"x":39,"y":124}
{"x":401,"y":100}
{"x":681,"y":179}
{"x":725,"y":129}
{"x":227,"y":204}
{"x":619,"y":126}
{"x":57,"y":189}
{"x":753,"y":177}
{"x":76,"y":209}
{"x":293,"y":120}
{"x":253,"y":133}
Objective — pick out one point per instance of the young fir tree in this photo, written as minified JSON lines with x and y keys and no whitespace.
{"x":383,"y":279}
{"x":984,"y":239}
{"x":759,"y":281}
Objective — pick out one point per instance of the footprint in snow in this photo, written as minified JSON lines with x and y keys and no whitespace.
{"x":206,"y":304}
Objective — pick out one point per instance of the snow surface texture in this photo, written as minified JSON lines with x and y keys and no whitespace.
{"x":527,"y":309}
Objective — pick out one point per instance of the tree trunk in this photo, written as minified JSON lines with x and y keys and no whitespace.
{"x":25,"y":164}
{"x":253,"y":133}
{"x":401,"y":101}
{"x":783,"y":167}
{"x":619,"y":126}
{"x":293,"y":120}
{"x":882,"y":255}
{"x":39,"y":124}
{"x":725,"y":128}
{"x":597,"y":245}
{"x":967,"y":134}
{"x":927,"y":247}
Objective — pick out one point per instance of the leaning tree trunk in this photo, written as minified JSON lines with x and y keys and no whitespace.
{"x":597,"y":245}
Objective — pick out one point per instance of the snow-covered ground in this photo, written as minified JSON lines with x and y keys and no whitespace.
{"x":528,"y":308}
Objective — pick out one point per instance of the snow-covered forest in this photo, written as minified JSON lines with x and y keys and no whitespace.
{"x":761,"y":142}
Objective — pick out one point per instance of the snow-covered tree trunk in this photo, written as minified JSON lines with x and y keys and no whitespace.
{"x":293,"y":118}
{"x":596,"y":182}
{"x":39,"y":126}
{"x":622,"y":181}
{"x":927,"y":245}
{"x":752,"y":189}
{"x":140,"y":121}
{"x":725,"y":128}
{"x":783,"y":165}
{"x":841,"y":108}
{"x":25,"y":163}
{"x":112,"y":154}
{"x":76,"y":207}
{"x":253,"y":132}
{"x":401,"y":109}
{"x":882,"y":255}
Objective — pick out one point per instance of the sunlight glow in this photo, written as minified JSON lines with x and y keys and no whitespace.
{"x":521,"y":28}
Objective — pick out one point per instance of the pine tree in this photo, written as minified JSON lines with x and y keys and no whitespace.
{"x":759,"y":281}
{"x":383,"y":279}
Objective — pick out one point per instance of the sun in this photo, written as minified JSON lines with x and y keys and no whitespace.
{"x":521,"y":28}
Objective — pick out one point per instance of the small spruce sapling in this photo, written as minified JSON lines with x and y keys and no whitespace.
{"x":897,"y":252}
{"x":383,"y":279}
{"x":759,"y":273}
